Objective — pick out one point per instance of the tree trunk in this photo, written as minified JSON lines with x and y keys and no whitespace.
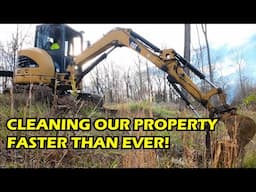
{"x":97,"y":81}
{"x":203,"y":84}
{"x":127,"y":83}
{"x":187,"y":40}
{"x":140,"y":90}
{"x":241,"y":80}
{"x":149,"y":83}
{"x":187,"y":45}
{"x":204,"y":29}
{"x":164,"y":91}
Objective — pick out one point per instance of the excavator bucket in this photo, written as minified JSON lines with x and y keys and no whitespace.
{"x":241,"y":128}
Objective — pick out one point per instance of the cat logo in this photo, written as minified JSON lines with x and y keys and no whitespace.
{"x":134,"y":45}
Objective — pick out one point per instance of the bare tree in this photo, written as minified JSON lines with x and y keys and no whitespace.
{"x":158,"y":81}
{"x":200,"y":57}
{"x":8,"y":52}
{"x":204,"y":29}
{"x":139,"y":72}
{"x":149,"y":82}
{"x":18,"y":39}
{"x":116,"y":83}
{"x":164,"y":90}
{"x":240,"y":61}
{"x":126,"y":78}
{"x":200,"y":50}
{"x":97,"y":81}
{"x":187,"y":41}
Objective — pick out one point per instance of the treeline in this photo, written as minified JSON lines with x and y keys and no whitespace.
{"x":141,"y":82}
{"x":144,"y":80}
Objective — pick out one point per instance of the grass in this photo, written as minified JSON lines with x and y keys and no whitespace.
{"x":158,"y":110}
{"x":250,"y":160}
{"x":186,"y":151}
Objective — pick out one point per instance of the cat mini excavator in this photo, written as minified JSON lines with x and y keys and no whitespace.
{"x":62,"y":70}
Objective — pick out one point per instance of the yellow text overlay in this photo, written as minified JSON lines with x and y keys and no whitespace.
{"x":33,"y":142}
{"x":125,"y":142}
{"x":39,"y":141}
{"x":88,"y":142}
{"x":118,"y":124}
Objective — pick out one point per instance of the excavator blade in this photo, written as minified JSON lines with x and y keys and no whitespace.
{"x":97,"y":102}
{"x":241,"y":128}
{"x":91,"y":99}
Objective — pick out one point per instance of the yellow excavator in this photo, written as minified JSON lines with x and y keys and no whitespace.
{"x":62,"y":69}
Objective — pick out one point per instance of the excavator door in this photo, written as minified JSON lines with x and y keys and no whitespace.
{"x":69,"y":43}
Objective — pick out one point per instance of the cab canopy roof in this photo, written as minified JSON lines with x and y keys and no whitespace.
{"x":69,"y":32}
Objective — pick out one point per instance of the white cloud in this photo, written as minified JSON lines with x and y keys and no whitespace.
{"x":8,"y":30}
{"x":232,"y":35}
{"x":224,"y":35}
{"x":163,"y":36}
{"x":167,"y":35}
{"x":228,"y":66}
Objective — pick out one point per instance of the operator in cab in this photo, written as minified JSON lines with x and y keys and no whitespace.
{"x":55,"y":45}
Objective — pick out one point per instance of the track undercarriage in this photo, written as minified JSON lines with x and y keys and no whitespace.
{"x":60,"y":103}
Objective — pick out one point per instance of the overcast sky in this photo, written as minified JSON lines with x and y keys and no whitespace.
{"x":162,"y":35}
{"x":223,"y":39}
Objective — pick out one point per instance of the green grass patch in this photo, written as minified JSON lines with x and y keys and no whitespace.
{"x":162,"y":112}
{"x":250,"y":160}
{"x":158,"y":111}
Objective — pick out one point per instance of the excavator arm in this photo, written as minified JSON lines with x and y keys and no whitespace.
{"x":173,"y":64}
{"x":167,"y":60}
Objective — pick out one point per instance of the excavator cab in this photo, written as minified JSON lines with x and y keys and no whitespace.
{"x":70,"y":43}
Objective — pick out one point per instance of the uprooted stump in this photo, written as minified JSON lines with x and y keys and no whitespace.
{"x":226,"y":154}
{"x":229,"y":153}
{"x":240,"y":128}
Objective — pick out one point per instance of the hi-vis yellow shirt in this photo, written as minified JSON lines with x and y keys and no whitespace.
{"x":55,"y":46}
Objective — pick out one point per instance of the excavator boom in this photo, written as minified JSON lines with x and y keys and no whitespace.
{"x":167,"y":60}
{"x":173,"y":64}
